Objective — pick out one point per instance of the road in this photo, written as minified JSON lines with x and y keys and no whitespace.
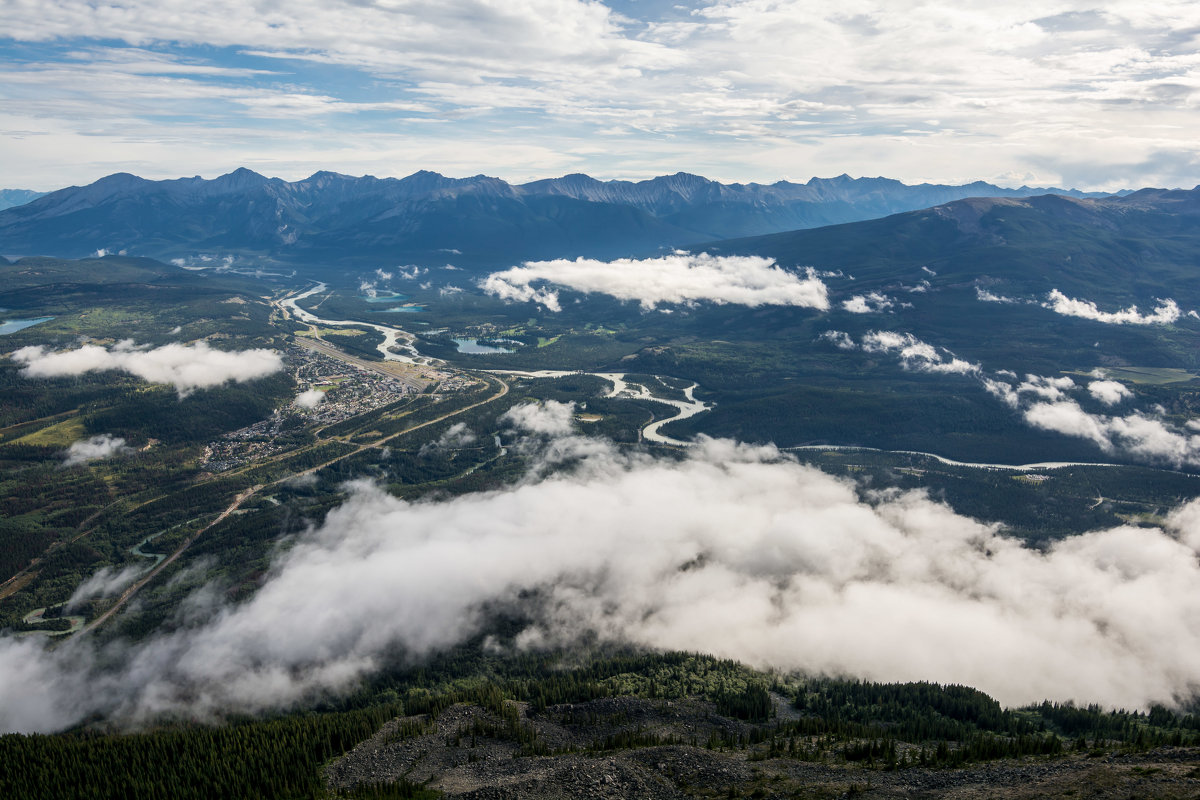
{"x":129,"y":593}
{"x":149,"y":576}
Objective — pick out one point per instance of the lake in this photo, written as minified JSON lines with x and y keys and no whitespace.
{"x":473,"y":347}
{"x":14,"y":325}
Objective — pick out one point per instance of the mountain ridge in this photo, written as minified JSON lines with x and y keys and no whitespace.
{"x":419,"y":218}
{"x":1129,"y":249}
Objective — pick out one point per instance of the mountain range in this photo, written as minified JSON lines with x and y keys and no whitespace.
{"x":331,"y":218}
{"x":17,"y":197}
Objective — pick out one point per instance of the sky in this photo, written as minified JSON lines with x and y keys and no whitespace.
{"x":1089,"y":95}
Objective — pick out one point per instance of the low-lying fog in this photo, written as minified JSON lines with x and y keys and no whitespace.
{"x":734,"y":550}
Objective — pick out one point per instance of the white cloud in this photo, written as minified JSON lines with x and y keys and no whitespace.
{"x":1105,"y":100}
{"x":383,"y":274}
{"x":678,"y":278}
{"x":872,"y":302}
{"x":1002,"y":391}
{"x":1046,"y":388}
{"x":916,"y":354}
{"x":104,"y":445}
{"x":839,"y":339}
{"x":186,"y":367}
{"x":550,"y":418}
{"x":787,"y":568}
{"x":1165,"y":313}
{"x":519,"y":293}
{"x":456,"y":436}
{"x":1109,"y":392}
{"x":1067,"y":417}
{"x":987,"y":297}
{"x":104,"y":582}
{"x":1136,"y":434}
{"x":310,"y":398}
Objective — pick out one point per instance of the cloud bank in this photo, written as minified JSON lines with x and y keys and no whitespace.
{"x":1165,"y":313}
{"x":678,"y":278}
{"x":736,"y":551}
{"x":103,"y":446}
{"x":186,"y":367}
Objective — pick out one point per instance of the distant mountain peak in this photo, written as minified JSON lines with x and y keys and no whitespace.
{"x":241,"y":177}
{"x":17,"y":197}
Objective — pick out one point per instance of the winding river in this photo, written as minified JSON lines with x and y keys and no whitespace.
{"x":395,"y":338}
{"x":952,"y":463}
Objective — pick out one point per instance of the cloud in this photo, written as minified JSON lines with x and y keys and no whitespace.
{"x":1109,"y":392}
{"x":105,"y":582}
{"x":1165,"y":313}
{"x":310,"y":398}
{"x":915,"y":354}
{"x":104,"y":445}
{"x":1136,"y":434}
{"x":383,"y":274}
{"x":873,"y":302}
{"x":186,"y":367}
{"x":987,"y":297}
{"x":663,"y":86}
{"x":839,"y":339}
{"x":1002,"y":391}
{"x":502,"y":288}
{"x":456,"y":436}
{"x":678,"y":278}
{"x":733,"y":550}
{"x":1068,"y":418}
{"x":1046,"y":388}
{"x":549,"y":418}
{"x":367,"y":288}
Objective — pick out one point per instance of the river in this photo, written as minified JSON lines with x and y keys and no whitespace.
{"x":396,"y":338}
{"x":393,"y":338}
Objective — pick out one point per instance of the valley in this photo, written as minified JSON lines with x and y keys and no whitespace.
{"x":371,"y":518}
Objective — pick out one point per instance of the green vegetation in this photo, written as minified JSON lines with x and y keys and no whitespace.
{"x":279,"y":758}
{"x":770,"y":378}
{"x":870,"y":725}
